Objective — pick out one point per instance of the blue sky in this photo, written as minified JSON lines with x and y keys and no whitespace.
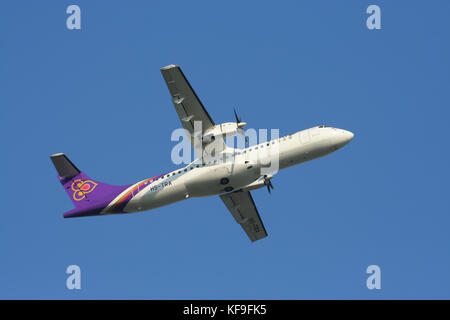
{"x":97,"y":95}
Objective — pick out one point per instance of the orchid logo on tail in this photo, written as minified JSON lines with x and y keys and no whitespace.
{"x":81,"y":188}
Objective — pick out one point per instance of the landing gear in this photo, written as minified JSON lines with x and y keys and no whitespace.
{"x":228,"y":189}
{"x":224,"y":181}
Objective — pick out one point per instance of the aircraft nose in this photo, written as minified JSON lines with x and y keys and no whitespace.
{"x":342,"y":138}
{"x":348,"y":135}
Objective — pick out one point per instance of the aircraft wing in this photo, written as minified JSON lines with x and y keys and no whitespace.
{"x":243,"y":209}
{"x":186,"y":102}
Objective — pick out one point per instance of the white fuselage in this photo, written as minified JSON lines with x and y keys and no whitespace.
{"x":241,"y":167}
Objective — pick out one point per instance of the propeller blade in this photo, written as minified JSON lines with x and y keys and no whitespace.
{"x":236,"y":116}
{"x":268,"y":183}
{"x":240,"y":124}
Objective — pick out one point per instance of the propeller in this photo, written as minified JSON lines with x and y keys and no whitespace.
{"x":268,"y":182}
{"x":240,"y":124}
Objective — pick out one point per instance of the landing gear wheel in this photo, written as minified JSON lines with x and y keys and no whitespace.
{"x":224,"y":181}
{"x":228,"y":189}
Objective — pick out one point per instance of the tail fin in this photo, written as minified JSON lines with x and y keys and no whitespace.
{"x":90,"y":197}
{"x":66,"y":169}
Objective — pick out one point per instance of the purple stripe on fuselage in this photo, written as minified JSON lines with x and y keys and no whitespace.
{"x":100,"y":198}
{"x":121,"y":203}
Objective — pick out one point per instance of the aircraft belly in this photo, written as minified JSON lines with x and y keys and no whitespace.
{"x":213,"y":180}
{"x":203,"y":182}
{"x":242,"y":176}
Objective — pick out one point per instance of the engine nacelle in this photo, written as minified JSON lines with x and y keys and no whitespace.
{"x":254,"y":185}
{"x":227,"y":129}
{"x":261,"y":182}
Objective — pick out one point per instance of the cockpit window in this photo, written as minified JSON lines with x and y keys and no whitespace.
{"x":324,"y":127}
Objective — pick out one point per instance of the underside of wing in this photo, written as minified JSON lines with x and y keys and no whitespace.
{"x":186,"y":102}
{"x":243,"y":209}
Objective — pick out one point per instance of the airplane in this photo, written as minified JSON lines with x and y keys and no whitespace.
{"x":230,"y":173}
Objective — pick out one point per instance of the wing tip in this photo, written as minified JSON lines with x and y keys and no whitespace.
{"x":170,"y":66}
{"x":55,"y":155}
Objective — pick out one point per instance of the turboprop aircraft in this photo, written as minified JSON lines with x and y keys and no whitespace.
{"x":219,"y":170}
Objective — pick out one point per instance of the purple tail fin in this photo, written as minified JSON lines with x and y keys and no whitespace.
{"x":90,"y":197}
